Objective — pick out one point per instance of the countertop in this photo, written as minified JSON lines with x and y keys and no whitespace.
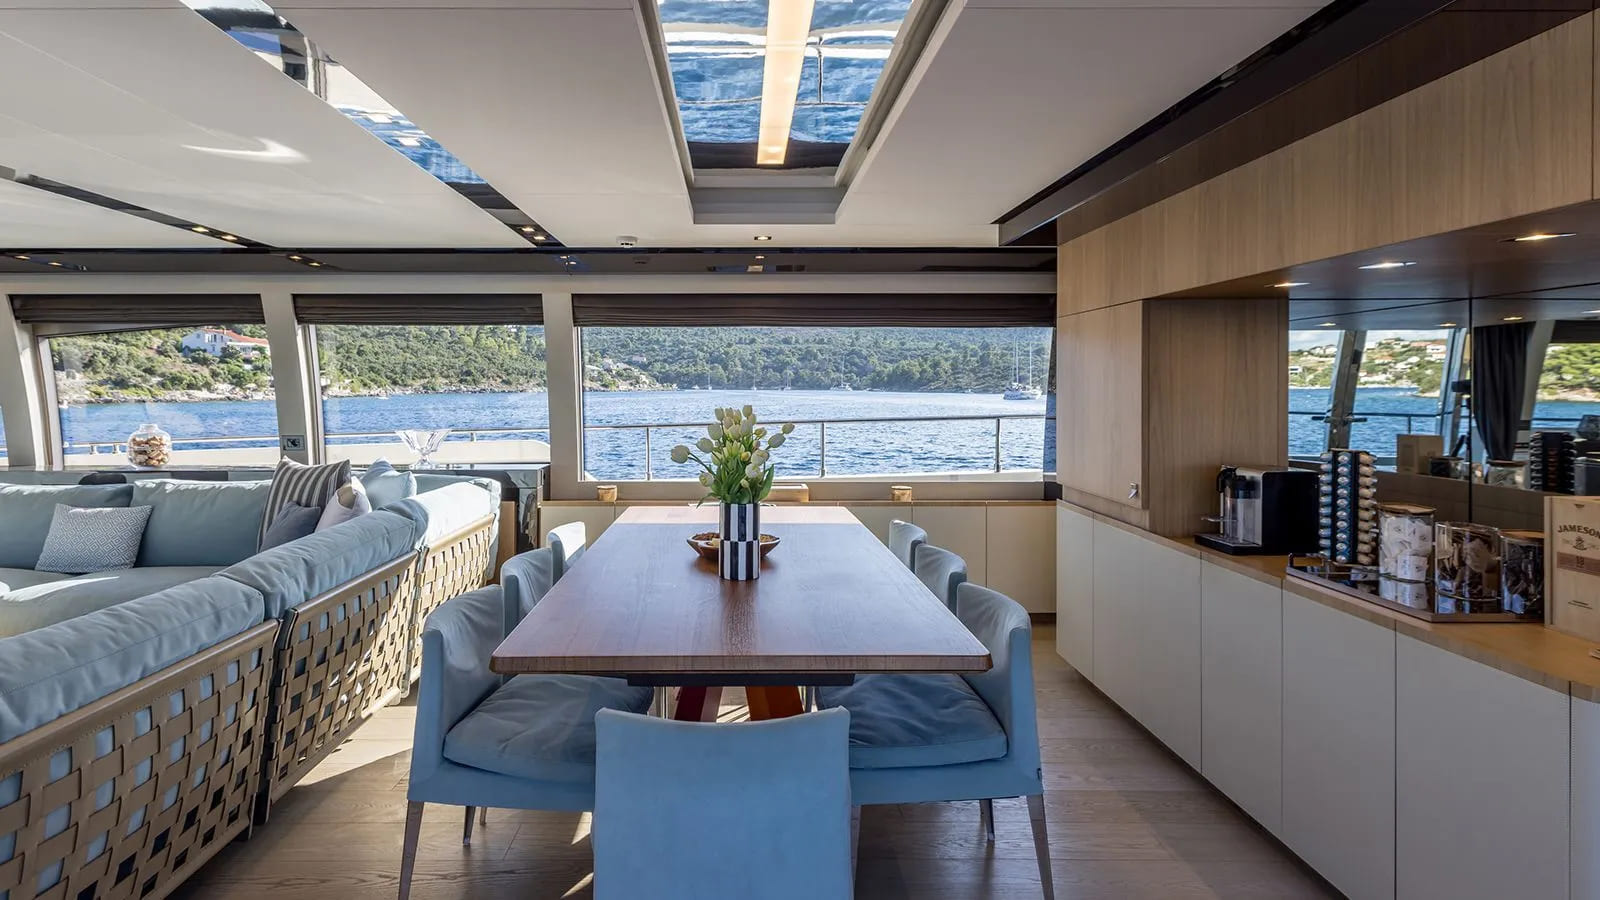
{"x":1538,"y":653}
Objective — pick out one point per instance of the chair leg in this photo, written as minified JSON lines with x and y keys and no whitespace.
{"x":855,"y":838}
{"x":466,"y":829}
{"x":408,"y":855}
{"x":483,"y":815}
{"x":986,"y":813}
{"x":1041,"y":844}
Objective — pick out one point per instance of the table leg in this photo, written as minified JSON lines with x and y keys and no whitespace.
{"x":773,"y":702}
{"x":698,"y":704}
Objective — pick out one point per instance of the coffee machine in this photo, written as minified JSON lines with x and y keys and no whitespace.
{"x":1264,"y":511}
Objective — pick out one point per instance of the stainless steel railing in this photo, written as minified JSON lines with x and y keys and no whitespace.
{"x":268,"y":440}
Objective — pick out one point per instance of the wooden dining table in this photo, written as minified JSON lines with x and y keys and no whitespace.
{"x":831,"y":603}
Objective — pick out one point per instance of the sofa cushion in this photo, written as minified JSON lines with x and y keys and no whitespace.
{"x":42,"y":604}
{"x":93,"y":540}
{"x":26,"y":511}
{"x":295,"y":572}
{"x":386,"y":485}
{"x":347,"y":503}
{"x":292,"y":523}
{"x":902,"y":721}
{"x":52,"y":671}
{"x":305,"y":485}
{"x":200,"y":523}
{"x":446,"y":510}
{"x":17,"y":579}
{"x":541,"y":726}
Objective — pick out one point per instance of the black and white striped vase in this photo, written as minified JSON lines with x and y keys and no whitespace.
{"x":741,"y":541}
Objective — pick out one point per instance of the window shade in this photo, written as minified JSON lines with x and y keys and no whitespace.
{"x":816,"y":310}
{"x":419,"y":309}
{"x":97,"y":312}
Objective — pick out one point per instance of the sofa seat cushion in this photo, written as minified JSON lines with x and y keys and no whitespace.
{"x":200,"y":523}
{"x":290,"y":574}
{"x":903,"y":721}
{"x":16,"y":579}
{"x":541,"y":726}
{"x":45,"y":603}
{"x":52,"y":671}
{"x":26,"y":511}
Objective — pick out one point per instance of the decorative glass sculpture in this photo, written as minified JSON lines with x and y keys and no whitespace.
{"x":423,"y":442}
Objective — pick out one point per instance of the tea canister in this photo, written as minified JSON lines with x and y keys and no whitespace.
{"x":1405,"y":541}
{"x":1415,"y":594}
{"x":1468,"y":561}
{"x":150,"y":447}
{"x":1522,"y":573}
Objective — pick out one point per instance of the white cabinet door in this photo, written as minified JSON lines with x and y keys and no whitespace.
{"x":1483,"y":786}
{"x":1339,"y":746}
{"x":1241,"y":683}
{"x":961,"y":528}
{"x":1021,"y":549}
{"x":1167,"y":639}
{"x":1585,"y":799}
{"x":1075,"y":589}
{"x":1117,"y":557}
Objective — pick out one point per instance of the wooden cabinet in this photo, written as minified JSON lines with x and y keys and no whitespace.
{"x":1075,"y":589}
{"x":1100,"y":407}
{"x":1241,"y":682}
{"x":1021,"y":558}
{"x":1585,"y":799}
{"x":1339,"y":746}
{"x":1481,"y":807}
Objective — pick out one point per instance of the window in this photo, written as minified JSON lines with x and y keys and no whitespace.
{"x":484,"y":382}
{"x":1569,"y":383}
{"x":208,"y":386}
{"x":866,"y":400}
{"x":1398,"y":388}
{"x":1312,"y":357}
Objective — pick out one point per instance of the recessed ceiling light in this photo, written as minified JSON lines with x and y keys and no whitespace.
{"x":1289,"y":284}
{"x":1542,"y":236}
{"x":788,"y":30}
{"x":314,"y":264}
{"x":760,"y":256}
{"x":1398,"y":264}
{"x":763,"y":237}
{"x":563,"y":256}
{"x":53,"y":263}
{"x":1587,"y":312}
{"x":296,"y":257}
{"x":1511,"y":319}
{"x":227,"y":237}
{"x":199,"y":229}
{"x":22,"y":256}
{"x":1327,"y":324}
{"x":1447,"y":324}
{"x":539,"y":237}
{"x":526,"y":229}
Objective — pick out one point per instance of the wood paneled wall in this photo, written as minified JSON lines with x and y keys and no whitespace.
{"x":1512,"y":134}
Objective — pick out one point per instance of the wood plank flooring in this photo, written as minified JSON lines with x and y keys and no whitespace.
{"x":1127,"y":820}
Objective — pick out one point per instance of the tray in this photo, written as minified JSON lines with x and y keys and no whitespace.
{"x":1351,"y":586}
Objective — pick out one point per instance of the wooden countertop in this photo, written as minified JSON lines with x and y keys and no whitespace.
{"x":1537,"y":653}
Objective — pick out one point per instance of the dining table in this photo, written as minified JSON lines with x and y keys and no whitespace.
{"x":831,"y":603}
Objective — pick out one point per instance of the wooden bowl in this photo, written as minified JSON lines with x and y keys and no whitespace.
{"x":707,"y":542}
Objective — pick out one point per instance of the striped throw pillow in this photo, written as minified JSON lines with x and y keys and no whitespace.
{"x":302,"y":485}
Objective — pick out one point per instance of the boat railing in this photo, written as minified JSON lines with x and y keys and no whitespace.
{"x":998,"y":420}
{"x":93,"y":448}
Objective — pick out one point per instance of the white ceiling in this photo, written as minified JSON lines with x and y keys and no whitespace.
{"x":31,"y":219}
{"x":557,"y":104}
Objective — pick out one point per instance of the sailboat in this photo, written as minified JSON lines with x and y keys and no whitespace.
{"x":1018,"y":390}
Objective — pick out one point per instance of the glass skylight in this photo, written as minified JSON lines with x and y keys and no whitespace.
{"x":716,"y":51}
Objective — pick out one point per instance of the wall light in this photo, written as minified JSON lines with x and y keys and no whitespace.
{"x":1542,"y":236}
{"x":1390,"y":265}
{"x":788,"y":26}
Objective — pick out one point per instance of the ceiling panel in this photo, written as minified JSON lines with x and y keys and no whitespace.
{"x":554,"y":107}
{"x":157,"y":107}
{"x":1006,"y":100}
{"x":31,"y":219}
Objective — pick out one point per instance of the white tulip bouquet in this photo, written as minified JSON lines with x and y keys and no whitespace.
{"x":734,"y":456}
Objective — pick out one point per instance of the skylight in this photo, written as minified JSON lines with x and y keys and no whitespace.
{"x":716,"y":50}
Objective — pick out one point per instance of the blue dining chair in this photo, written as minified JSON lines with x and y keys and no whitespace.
{"x":523,"y":743}
{"x":566,"y":543}
{"x":941,"y":571}
{"x":904,"y":539}
{"x":690,"y":810}
{"x":932,"y":738}
{"x":526,"y":578}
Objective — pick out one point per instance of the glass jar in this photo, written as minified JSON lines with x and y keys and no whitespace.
{"x":1405,"y":541}
{"x":150,"y":447}
{"x":1467,"y":561}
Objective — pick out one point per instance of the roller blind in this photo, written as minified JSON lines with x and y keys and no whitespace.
{"x":419,"y":309}
{"x":817,"y":310}
{"x":101,"y":312}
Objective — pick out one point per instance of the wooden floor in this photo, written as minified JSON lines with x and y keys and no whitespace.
{"x":1127,"y":820}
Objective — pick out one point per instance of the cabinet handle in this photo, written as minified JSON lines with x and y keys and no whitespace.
{"x":1133,"y":490}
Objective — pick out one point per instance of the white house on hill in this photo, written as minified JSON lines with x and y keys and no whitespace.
{"x":215,"y":340}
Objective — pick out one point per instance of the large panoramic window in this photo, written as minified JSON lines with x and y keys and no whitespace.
{"x":866,"y":400}
{"x":385,"y":388}
{"x":209,"y":387}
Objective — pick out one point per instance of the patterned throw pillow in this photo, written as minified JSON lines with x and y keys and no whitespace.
{"x":348,"y":502}
{"x":92,"y":539}
{"x":302,"y":485}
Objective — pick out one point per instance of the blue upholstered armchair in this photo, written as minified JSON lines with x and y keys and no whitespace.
{"x":926,"y":738}
{"x":526,"y":578}
{"x":523,"y":743}
{"x":566,"y":544}
{"x":904,"y":539}
{"x":941,"y":572}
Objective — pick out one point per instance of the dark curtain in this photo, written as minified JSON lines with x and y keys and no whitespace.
{"x":1499,"y":375}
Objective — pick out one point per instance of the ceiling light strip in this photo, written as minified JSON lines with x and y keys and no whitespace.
{"x":121,"y":206}
{"x":788,"y":27}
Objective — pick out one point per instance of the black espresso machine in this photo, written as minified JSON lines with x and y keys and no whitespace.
{"x":1264,"y":511}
